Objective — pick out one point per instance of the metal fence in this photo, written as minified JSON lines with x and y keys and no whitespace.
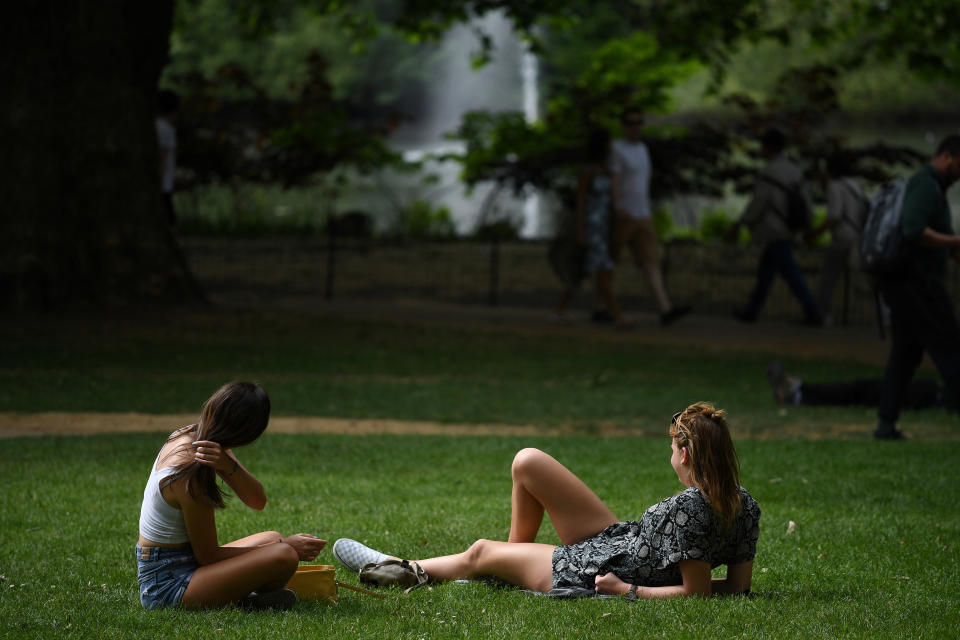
{"x":713,"y":278}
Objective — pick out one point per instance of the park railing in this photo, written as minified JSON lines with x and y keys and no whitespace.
{"x":714,"y":278}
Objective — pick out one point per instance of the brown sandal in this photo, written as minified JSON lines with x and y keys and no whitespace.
{"x":394,"y":573}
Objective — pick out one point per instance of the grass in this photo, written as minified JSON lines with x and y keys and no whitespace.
{"x":317,"y":365}
{"x":874,"y":553}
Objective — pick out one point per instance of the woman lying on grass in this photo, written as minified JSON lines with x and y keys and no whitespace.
{"x":670,"y":552}
{"x":179,"y":561}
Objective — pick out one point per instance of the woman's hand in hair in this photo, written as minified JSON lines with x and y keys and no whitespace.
{"x":306,"y":545}
{"x":211,"y":454}
{"x":226,"y":464}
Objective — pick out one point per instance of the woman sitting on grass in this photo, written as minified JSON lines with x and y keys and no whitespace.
{"x":670,"y":552}
{"x":179,"y":561}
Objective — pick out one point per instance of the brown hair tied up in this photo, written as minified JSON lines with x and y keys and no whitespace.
{"x":234,"y":416}
{"x":702,"y":429}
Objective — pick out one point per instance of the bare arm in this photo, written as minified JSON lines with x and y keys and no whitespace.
{"x":696,"y":582}
{"x":931,"y":238}
{"x":202,"y":528}
{"x":228,"y":467}
{"x":615,"y":167}
{"x":202,"y":532}
{"x":619,"y":211}
{"x":737,"y":580}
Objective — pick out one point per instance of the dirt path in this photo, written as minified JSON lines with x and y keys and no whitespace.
{"x":699,"y":332}
{"x":14,"y":425}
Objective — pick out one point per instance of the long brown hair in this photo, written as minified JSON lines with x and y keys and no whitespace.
{"x":234,"y":416}
{"x":702,"y":429}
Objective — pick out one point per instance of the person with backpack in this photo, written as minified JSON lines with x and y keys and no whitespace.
{"x":778,"y":210}
{"x":922,"y":315}
{"x":847,"y":208}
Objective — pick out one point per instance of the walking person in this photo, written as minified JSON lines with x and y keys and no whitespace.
{"x":922,"y":393}
{"x":669,"y":552}
{"x":922,"y":316}
{"x":631,"y":169}
{"x":594,"y":213}
{"x":767,"y":218}
{"x":168,"y":103}
{"x":847,"y":208}
{"x":180,"y":563}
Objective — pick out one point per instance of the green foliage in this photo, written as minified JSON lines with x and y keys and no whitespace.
{"x":230,"y":130}
{"x":503,"y":147}
{"x":919,"y":34}
{"x":422,"y":220}
{"x":714,"y":225}
{"x":634,"y":70}
{"x":371,"y":62}
{"x":284,"y":94}
{"x":663,"y":223}
{"x":367,"y":58}
{"x":249,"y":209}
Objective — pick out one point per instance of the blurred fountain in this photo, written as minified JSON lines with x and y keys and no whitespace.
{"x":507,"y":83}
{"x":531,"y":112}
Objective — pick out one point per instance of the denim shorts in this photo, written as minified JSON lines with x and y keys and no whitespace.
{"x":163,"y":575}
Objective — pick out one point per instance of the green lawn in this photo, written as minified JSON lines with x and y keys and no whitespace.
{"x":874,"y":553}
{"x":327,"y":366}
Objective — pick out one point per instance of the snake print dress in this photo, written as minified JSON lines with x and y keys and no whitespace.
{"x":596,"y":225}
{"x":648,"y":552}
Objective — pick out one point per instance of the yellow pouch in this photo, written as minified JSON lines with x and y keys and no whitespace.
{"x":317,"y":582}
{"x":314,"y":582}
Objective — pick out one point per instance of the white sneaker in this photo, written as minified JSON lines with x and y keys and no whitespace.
{"x":353,"y":555}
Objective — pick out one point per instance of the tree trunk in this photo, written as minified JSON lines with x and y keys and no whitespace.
{"x":82,"y":218}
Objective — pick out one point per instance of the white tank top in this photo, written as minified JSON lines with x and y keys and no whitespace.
{"x":159,"y":521}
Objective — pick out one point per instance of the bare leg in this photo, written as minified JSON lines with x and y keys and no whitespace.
{"x":268,"y":566}
{"x":605,"y":294}
{"x":563,"y":302}
{"x":659,"y":290}
{"x":529,"y":565}
{"x":599,"y":302}
{"x":540,"y":483}
{"x":605,"y":291}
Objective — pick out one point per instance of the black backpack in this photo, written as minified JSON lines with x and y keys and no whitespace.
{"x":881,"y":243}
{"x":799,"y":216}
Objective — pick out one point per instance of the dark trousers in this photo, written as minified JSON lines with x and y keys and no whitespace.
{"x":777,"y":257}
{"x":922,"y":319}
{"x":168,"y":211}
{"x":921,"y":394}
